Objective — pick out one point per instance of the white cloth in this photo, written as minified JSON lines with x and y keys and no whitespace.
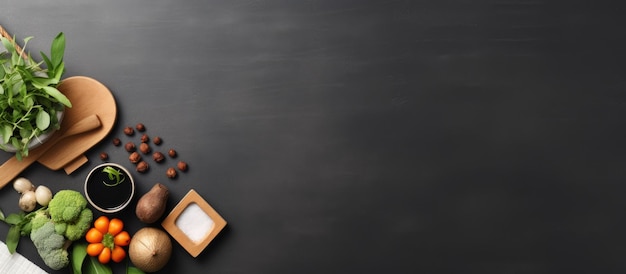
{"x":16,"y":263}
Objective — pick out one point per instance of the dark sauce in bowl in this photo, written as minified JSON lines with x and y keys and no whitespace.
{"x":112,"y":197}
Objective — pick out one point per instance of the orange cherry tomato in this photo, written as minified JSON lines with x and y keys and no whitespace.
{"x":115,"y":226}
{"x":118,"y":254}
{"x":105,"y":256}
{"x":94,"y":236}
{"x":102,"y":224}
{"x":122,"y":239}
{"x":94,"y":249}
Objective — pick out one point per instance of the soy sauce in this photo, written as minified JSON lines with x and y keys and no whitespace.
{"x":108,"y":197}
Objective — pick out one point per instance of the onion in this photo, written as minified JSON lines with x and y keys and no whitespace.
{"x":43,"y":195}
{"x":28,"y":201}
{"x":150,"y":249}
{"x":22,"y":185}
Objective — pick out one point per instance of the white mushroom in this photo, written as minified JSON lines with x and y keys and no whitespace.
{"x":28,"y":201}
{"x":22,"y":185}
{"x":43,"y":195}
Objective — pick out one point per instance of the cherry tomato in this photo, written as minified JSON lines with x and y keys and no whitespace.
{"x":105,"y":256}
{"x":115,"y":226}
{"x":122,"y":239}
{"x":102,"y":224}
{"x":94,"y":236}
{"x":118,"y":254}
{"x":94,"y":249}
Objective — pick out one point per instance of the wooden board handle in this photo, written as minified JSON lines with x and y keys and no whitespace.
{"x":13,"y":167}
{"x":75,"y":164}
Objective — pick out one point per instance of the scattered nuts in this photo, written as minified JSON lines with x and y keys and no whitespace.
{"x":129,"y":131}
{"x":104,"y":156}
{"x":144,"y":148}
{"x":182,"y":166}
{"x":158,"y":157}
{"x":157,"y":140}
{"x":140,"y":127}
{"x":142,"y":167}
{"x":171,"y":173}
{"x":135,"y":151}
{"x":134,"y":157}
{"x":130,"y":147}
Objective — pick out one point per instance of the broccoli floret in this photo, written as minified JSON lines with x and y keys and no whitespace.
{"x":50,"y":246}
{"x":41,"y":218}
{"x":66,"y":206}
{"x":78,"y":228}
{"x":60,"y":228}
{"x":70,"y":215}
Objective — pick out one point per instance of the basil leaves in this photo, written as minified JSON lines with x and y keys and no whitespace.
{"x":29,"y":99}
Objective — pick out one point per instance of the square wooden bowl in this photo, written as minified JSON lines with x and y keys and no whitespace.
{"x":170,"y":223}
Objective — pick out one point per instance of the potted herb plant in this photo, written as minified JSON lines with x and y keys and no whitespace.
{"x":31,"y":106}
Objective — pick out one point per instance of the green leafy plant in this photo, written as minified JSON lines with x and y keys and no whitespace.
{"x":82,"y":264}
{"x":114,"y":175}
{"x":29,"y":99}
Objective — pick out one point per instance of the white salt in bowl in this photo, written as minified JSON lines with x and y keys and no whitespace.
{"x":193,"y":223}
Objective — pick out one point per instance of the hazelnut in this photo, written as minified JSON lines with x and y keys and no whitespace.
{"x":140,"y":127}
{"x":157,"y":140}
{"x":172,"y":153}
{"x":129,"y":131}
{"x":116,"y":141}
{"x":130,"y":147}
{"x":171,"y":173}
{"x":142,"y":167}
{"x":158,"y":157}
{"x":145,"y":138}
{"x":134,"y":157}
{"x":104,"y":156}
{"x":144,"y":148}
{"x":182,"y":166}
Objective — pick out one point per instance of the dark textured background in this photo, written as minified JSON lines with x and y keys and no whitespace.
{"x":456,"y":136}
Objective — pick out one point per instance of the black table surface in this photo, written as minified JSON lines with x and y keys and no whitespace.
{"x":448,"y":136}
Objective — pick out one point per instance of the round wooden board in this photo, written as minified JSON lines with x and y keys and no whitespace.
{"x":88,"y":96}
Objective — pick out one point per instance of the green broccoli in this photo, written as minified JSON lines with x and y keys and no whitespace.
{"x":77,"y":229}
{"x":66,"y":206}
{"x":68,"y":211}
{"x":52,"y":229}
{"x":50,"y":246}
{"x":41,"y":218}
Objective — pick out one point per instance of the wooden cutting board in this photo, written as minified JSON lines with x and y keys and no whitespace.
{"x":88,"y":96}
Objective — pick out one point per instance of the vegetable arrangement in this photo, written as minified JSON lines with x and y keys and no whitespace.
{"x":106,"y":239}
{"x":29,"y":99}
{"x":52,"y":228}
{"x":63,"y":222}
{"x":61,"y":229}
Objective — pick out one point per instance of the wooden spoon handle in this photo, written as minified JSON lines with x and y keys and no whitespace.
{"x":8,"y":36}
{"x":13,"y":167}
